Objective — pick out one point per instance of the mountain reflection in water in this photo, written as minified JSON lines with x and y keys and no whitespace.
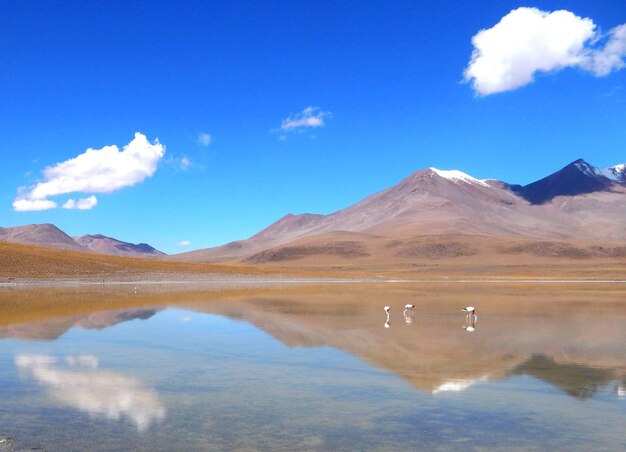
{"x":553,"y":342}
{"x":271,"y":369}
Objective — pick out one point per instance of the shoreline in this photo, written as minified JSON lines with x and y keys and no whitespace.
{"x":294,"y":282}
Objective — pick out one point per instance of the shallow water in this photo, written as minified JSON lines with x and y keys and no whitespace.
{"x":315,"y":369}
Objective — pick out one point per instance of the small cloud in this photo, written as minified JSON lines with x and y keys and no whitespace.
{"x":185,"y":319}
{"x":204,"y":139}
{"x":94,"y":171}
{"x":180,"y":163}
{"x":310,"y":117}
{"x":527,"y":41}
{"x":30,"y":205}
{"x":184,"y":243}
{"x":185,"y":163}
{"x":81,"y":204}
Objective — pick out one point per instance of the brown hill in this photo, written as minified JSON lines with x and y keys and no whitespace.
{"x":39,"y":234}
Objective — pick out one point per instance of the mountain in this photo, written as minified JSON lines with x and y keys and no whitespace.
{"x":50,"y":236}
{"x":577,"y":178}
{"x":578,"y":202}
{"x":106,"y":245}
{"x":39,"y":234}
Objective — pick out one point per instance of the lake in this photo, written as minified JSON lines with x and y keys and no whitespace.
{"x":314,"y":368}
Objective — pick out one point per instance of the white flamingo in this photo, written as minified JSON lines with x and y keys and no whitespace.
{"x":471,"y":313}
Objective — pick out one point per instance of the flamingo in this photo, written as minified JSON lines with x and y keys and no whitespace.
{"x":471,"y":313}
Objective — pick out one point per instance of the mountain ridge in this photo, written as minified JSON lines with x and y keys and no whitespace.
{"x":102,"y":244}
{"x":49,"y":235}
{"x":577,"y":202}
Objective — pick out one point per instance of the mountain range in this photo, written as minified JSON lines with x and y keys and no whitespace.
{"x":49,"y":235}
{"x":431,"y":214}
{"x":579,"y":202}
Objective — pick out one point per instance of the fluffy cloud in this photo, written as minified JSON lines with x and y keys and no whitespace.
{"x":528,"y":40}
{"x":310,"y":117}
{"x":95,"y":171}
{"x":204,"y":139}
{"x":81,"y":204}
{"x":29,"y":205}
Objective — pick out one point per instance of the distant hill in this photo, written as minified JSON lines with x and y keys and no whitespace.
{"x":49,"y":235}
{"x":579,"y":202}
{"x":106,"y":245}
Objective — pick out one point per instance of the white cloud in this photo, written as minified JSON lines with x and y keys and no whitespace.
{"x":81,"y":204}
{"x":310,"y":117}
{"x":180,"y":163}
{"x":528,"y":40}
{"x":185,"y":163}
{"x":95,"y":171}
{"x":29,"y":205}
{"x":611,"y":57}
{"x":204,"y":139}
{"x":184,"y":243}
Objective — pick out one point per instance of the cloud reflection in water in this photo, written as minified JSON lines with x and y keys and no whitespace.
{"x":98,"y":392}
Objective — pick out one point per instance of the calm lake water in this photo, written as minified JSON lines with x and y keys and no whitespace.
{"x":543,"y":367}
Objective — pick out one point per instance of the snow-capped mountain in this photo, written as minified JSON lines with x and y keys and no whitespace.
{"x":616,"y":173}
{"x":577,"y":178}
{"x":448,"y":202}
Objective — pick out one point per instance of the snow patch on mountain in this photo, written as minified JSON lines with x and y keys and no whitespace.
{"x":586,"y":168}
{"x":459,"y":176}
{"x":616,"y":173}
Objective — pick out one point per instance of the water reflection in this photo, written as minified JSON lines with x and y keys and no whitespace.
{"x":458,"y":385}
{"x":470,"y":324}
{"x":51,"y":329}
{"x":533,"y":337}
{"x":270,"y":370}
{"x":576,"y":380}
{"x":408,"y":313}
{"x":76,"y":382}
{"x":439,"y":356}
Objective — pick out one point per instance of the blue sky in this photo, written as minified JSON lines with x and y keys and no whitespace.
{"x":225,"y":88}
